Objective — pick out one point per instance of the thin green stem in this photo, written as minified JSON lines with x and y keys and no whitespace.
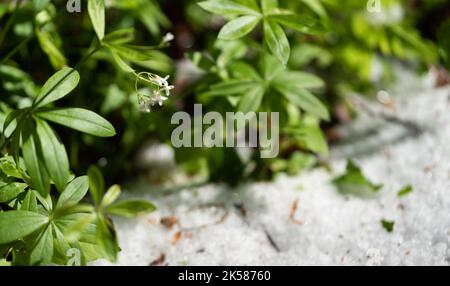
{"x":16,"y":49}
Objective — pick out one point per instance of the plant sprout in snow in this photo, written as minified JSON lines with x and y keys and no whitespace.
{"x":168,"y":38}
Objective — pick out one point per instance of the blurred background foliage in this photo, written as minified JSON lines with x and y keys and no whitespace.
{"x":354,"y":53}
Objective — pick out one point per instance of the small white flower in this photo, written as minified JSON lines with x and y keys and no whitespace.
{"x":164,"y":84}
{"x":157,"y":90}
{"x":144,"y":106}
{"x":167,"y":89}
{"x":157,"y":98}
{"x":161,"y":100}
{"x":161,"y":81}
{"x":168,"y":38}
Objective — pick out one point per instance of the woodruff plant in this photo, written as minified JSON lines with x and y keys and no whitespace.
{"x":295,"y":57}
{"x":42,"y":216}
{"x":299,"y":58}
{"x":251,"y":74}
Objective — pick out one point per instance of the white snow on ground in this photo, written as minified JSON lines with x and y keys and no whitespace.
{"x":308,"y":221}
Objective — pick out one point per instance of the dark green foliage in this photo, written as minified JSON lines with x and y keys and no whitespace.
{"x":43,"y":218}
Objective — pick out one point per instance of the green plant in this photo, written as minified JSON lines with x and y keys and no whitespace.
{"x":251,"y":76}
{"x":41,"y":214}
{"x":301,"y":70}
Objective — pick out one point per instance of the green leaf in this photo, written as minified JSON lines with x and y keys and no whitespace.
{"x":29,"y":203}
{"x":57,"y":86}
{"x":413,"y":39}
{"x":122,"y":36}
{"x":69,"y":254}
{"x":300,"y":80}
{"x":353,"y":182}
{"x":388,"y":225}
{"x":9,"y":167}
{"x":115,"y":98}
{"x":80,"y":119}
{"x":15,"y":225}
{"x":252,"y":4}
{"x":76,"y":230}
{"x":277,"y":41}
{"x":125,"y":67}
{"x":300,"y":161}
{"x":230,"y":87}
{"x":203,"y":61}
{"x":91,"y":251}
{"x":46,"y":201}
{"x":244,"y":70}
{"x":111,"y":196}
{"x":10,"y":121}
{"x":42,"y":252}
{"x":96,"y":10}
{"x":69,"y":209}
{"x":300,"y":23}
{"x":160,"y":62}
{"x":16,"y":141}
{"x":131,"y":208}
{"x":227,"y":7}
{"x":106,"y":239}
{"x":238,"y":27}
{"x":304,"y":54}
{"x":96,"y":184}
{"x":303,"y":99}
{"x":74,"y":192}
{"x":54,"y":155}
{"x":270,"y":66}
{"x":312,"y":138}
{"x":133,"y":53}
{"x":68,"y":222}
{"x":35,"y":167}
{"x":151,"y":16}
{"x":317,"y":7}
{"x":404,"y":191}
{"x":268,"y":6}
{"x":251,"y":100}
{"x":60,"y":245}
{"x":230,"y":51}
{"x":11,"y":191}
{"x":47,"y":43}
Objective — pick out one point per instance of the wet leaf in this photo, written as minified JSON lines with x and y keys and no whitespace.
{"x":404,"y":191}
{"x":354,"y":183}
{"x":388,"y":225}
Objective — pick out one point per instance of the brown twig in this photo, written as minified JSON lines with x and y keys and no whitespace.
{"x":158,"y":261}
{"x":294,"y":209}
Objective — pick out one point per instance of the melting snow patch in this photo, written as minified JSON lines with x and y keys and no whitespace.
{"x":303,"y":220}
